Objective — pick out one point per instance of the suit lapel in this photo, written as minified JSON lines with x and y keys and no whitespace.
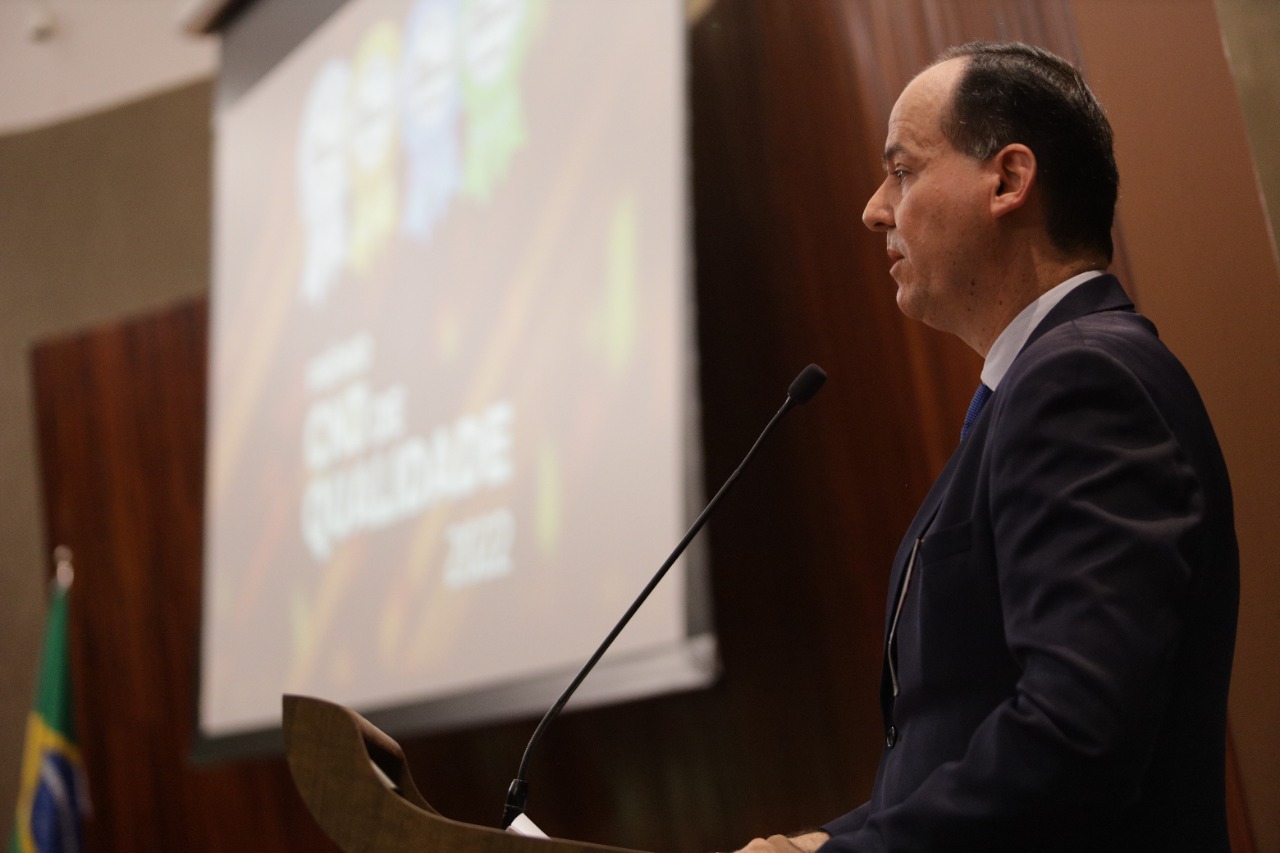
{"x":1103,"y":293}
{"x":915,"y":530}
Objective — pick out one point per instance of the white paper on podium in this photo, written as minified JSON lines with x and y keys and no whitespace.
{"x":523,"y":826}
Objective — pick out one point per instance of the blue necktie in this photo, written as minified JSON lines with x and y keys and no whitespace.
{"x":979,"y":400}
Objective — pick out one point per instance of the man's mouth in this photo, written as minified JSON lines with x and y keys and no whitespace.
{"x":894,"y":257}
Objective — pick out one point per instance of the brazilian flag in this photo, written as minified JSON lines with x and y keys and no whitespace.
{"x":53,"y":798}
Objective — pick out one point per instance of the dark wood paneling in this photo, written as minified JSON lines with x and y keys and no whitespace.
{"x":121,"y":424}
{"x":1238,"y":823}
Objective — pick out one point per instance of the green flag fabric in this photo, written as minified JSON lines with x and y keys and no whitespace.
{"x":52,"y":798}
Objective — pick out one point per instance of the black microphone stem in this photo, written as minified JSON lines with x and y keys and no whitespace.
{"x":518,"y":793}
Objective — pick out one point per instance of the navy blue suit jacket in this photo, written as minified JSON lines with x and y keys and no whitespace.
{"x":1064,"y":645}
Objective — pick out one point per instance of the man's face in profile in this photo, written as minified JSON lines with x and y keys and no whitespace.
{"x":932,"y":206}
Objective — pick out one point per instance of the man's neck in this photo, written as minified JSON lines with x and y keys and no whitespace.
{"x":1018,"y":285}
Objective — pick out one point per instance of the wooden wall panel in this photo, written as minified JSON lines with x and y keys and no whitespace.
{"x":789,"y":104}
{"x":121,"y":425}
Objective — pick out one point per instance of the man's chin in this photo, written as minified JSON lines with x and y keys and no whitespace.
{"x":909,"y":302}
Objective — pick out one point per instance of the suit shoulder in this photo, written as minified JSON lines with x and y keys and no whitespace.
{"x":1101,"y":342}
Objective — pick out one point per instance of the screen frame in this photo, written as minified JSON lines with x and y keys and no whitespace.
{"x":255,"y":37}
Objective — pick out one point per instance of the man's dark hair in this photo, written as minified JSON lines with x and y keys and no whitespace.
{"x":1011,"y":92}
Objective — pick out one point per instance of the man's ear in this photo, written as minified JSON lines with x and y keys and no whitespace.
{"x":1015,"y":171}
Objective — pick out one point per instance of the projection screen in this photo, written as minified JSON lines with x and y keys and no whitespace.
{"x":452,"y":423}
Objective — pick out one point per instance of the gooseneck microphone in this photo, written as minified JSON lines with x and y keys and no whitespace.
{"x":801,"y":391}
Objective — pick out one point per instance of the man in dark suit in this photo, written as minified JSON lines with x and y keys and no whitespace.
{"x":1062,"y":609}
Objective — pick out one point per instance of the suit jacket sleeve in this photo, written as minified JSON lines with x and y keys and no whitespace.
{"x":850,"y":822}
{"x":1092,"y":506}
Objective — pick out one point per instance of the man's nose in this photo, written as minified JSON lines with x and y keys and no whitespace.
{"x":878,"y":215}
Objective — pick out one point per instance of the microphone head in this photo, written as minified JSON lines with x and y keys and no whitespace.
{"x":807,"y":384}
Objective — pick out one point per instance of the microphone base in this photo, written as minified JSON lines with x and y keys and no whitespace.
{"x":517,"y":802}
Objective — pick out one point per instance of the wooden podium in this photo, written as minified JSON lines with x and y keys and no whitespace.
{"x":355,"y":781}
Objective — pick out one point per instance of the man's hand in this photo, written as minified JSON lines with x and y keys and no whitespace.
{"x":806,"y":843}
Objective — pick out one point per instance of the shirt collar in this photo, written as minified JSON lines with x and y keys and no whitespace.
{"x":1010,"y":342}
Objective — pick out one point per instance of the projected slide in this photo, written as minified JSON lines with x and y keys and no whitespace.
{"x":450,"y":373}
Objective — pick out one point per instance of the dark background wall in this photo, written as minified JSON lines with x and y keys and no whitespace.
{"x":109,"y":214}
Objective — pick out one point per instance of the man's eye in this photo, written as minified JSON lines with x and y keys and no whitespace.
{"x":899,"y":174}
